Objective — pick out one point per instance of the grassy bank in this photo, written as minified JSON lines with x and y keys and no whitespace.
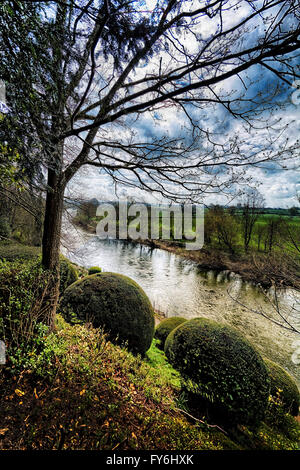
{"x":73,"y":389}
{"x":94,"y":395}
{"x":82,"y":392}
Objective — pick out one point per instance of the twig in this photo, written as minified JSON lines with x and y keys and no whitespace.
{"x":290,"y":327}
{"x":200,"y":421}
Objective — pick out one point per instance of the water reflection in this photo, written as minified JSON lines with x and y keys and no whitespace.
{"x":177,"y":286}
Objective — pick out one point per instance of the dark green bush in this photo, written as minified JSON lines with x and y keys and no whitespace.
{"x":220,"y":367}
{"x":283,"y":390}
{"x":5,"y":229}
{"x":13,"y":252}
{"x":163,"y":330}
{"x":68,"y":274}
{"x":23,"y":317}
{"x":94,"y":270}
{"x":114,"y":302}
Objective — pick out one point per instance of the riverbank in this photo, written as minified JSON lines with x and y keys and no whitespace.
{"x":100,"y":397}
{"x":74,"y":390}
{"x":265,"y":270}
{"x":176,"y":287}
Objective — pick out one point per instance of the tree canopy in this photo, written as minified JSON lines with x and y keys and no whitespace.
{"x":81,"y":73}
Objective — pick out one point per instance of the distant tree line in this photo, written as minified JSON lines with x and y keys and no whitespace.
{"x":247,"y":227}
{"x":231,"y":228}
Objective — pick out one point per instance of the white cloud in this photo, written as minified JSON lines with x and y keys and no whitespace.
{"x":278,"y":187}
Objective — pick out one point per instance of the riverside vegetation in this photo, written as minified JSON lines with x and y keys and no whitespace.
{"x":69,"y":384}
{"x":77,"y":388}
{"x":262,"y":245}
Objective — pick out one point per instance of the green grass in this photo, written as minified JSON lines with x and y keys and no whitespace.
{"x":13,"y":251}
{"x":156,"y":358}
{"x":79,"y":391}
{"x":83,"y":392}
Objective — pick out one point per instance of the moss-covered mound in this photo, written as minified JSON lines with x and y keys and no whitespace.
{"x":94,"y":270}
{"x":68,"y":274}
{"x":283,"y":387}
{"x":116,"y":303}
{"x":163,"y":330}
{"x":221,"y":368}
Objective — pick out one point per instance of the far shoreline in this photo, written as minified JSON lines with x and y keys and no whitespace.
{"x":212,"y":260}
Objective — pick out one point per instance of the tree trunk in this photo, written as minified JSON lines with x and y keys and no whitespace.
{"x":51,"y":239}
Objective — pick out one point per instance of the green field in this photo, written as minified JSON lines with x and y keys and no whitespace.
{"x":273,"y":230}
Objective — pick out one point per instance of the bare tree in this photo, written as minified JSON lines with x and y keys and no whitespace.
{"x":81,"y":73}
{"x":277,"y":272}
{"x":221,"y":222}
{"x":273,"y":233}
{"x":251,"y":204}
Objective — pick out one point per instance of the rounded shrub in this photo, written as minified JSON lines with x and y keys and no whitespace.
{"x":94,"y":270}
{"x":221,"y":369}
{"x":68,"y":274}
{"x":163,"y":330}
{"x":116,"y":303}
{"x":283,"y":387}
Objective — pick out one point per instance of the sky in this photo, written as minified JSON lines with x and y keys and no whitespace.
{"x":278,"y":186}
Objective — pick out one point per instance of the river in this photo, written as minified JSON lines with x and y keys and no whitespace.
{"x":176,"y":286}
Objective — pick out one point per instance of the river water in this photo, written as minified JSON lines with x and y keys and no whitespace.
{"x":177,"y":287}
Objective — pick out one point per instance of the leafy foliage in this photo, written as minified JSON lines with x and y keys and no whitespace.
{"x":12,"y":252}
{"x":5,"y":229}
{"x":158,"y":361}
{"x":115,"y":302}
{"x":283,"y":388}
{"x":221,"y":368}
{"x":9,"y":159}
{"x":23,"y":309}
{"x":165,"y":327}
{"x":94,"y":270}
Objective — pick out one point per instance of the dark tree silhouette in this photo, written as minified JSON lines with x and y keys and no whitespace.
{"x":75,"y":89}
{"x":251,"y":204}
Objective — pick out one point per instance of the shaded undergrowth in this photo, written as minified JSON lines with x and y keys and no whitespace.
{"x":83,"y":392}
